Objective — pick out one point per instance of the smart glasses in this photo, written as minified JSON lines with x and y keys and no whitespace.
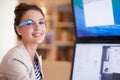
{"x":32,"y":23}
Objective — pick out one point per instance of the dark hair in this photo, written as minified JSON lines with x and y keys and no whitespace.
{"x":19,"y":12}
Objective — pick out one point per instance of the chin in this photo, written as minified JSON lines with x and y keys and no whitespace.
{"x":40,"y":41}
{"x":37,"y":42}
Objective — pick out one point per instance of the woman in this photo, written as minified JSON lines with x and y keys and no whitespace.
{"x":22,"y":62}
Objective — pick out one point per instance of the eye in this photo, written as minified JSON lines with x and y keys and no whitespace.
{"x":41,"y":22}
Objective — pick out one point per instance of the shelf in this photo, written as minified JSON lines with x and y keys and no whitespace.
{"x":65,"y":24}
{"x":64,"y":43}
{"x":44,"y":46}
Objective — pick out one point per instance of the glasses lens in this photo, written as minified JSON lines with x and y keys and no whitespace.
{"x":31,"y":22}
{"x":27,"y":22}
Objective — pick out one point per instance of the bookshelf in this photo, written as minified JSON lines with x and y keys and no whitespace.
{"x":60,"y":38}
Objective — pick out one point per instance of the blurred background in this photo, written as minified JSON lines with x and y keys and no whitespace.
{"x":58,"y":46}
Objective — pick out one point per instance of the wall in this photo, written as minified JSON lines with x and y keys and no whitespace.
{"x":7,"y":35}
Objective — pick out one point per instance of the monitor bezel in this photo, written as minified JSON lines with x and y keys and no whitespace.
{"x":79,"y":42}
{"x":112,"y":39}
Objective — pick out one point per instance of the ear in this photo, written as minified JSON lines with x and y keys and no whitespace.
{"x":18,"y":29}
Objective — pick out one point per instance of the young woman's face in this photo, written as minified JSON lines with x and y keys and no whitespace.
{"x":32,"y":27}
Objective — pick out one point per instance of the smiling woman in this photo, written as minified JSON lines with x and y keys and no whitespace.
{"x":22,"y":62}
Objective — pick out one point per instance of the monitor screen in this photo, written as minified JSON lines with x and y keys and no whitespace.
{"x":96,"y":61}
{"x":97,"y":19}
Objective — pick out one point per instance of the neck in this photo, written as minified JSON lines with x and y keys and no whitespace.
{"x":31,"y":48}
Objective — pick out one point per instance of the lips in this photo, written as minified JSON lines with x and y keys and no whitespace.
{"x":37,"y":34}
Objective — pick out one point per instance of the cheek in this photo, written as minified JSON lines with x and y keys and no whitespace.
{"x":45,"y":29}
{"x":26,"y":32}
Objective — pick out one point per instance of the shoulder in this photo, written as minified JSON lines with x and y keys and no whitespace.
{"x":17,"y":53}
{"x":17,"y":64}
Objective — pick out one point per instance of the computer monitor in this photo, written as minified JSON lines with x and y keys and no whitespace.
{"x":96,"y":61}
{"x":97,"y":20}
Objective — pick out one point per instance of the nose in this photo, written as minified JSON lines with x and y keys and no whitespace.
{"x":37,"y":26}
{"x":40,"y":27}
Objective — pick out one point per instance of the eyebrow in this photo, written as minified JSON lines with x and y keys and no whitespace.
{"x":42,"y":19}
